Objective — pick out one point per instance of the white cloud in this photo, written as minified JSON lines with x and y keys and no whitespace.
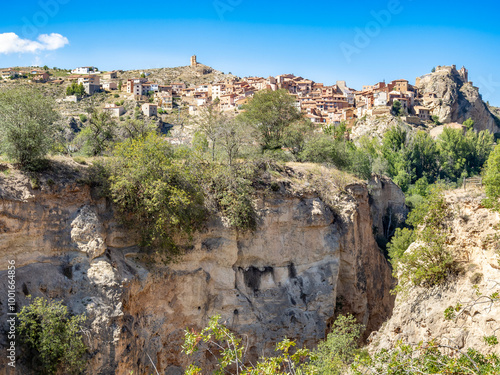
{"x":12,"y":43}
{"x":53,"y":41}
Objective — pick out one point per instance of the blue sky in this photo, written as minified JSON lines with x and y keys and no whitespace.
{"x":362,"y":42}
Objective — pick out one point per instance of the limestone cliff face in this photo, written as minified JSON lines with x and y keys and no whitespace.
{"x":419,"y":314}
{"x":374,"y":126}
{"x":304,"y":265}
{"x":455,"y":100}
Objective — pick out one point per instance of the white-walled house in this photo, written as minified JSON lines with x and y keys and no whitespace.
{"x":84,"y":70}
{"x":8,"y":73}
{"x":108,"y":86}
{"x":114,"y":110}
{"x":91,"y":78}
{"x":150,"y":109}
{"x":380,"y":99}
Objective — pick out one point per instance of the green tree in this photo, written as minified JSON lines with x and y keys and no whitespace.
{"x":324,"y":148}
{"x":271,"y":112}
{"x":76,"y":89}
{"x":453,"y":152}
{"x":463,"y":154}
{"x":51,"y":338}
{"x":233,"y":134}
{"x":295,"y":136}
{"x":343,"y":154}
{"x":491,"y":178}
{"x":397,"y":108}
{"x":402,"y":239}
{"x":98,"y":134}
{"x":469,"y":124}
{"x":431,"y":262}
{"x":481,"y":145}
{"x":393,"y":150}
{"x":422,"y":154}
{"x":157,"y":192}
{"x":131,"y":128}
{"x":339,"y":349}
{"x":209,"y":123}
{"x":435,"y":119}
{"x":230,"y":191}
{"x":27,"y":125}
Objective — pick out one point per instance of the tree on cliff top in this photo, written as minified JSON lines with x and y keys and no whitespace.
{"x":27,"y":129}
{"x":271,"y":112}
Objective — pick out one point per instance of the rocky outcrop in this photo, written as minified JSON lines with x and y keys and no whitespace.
{"x":387,"y":206}
{"x":455,"y":99}
{"x":375,"y":126}
{"x":306,"y":263}
{"x":419,"y":315}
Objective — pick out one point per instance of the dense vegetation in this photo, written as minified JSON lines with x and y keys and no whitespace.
{"x":27,"y":125}
{"x":492,"y":179}
{"x":338,"y":354}
{"x":51,"y":339}
{"x":429,"y":262}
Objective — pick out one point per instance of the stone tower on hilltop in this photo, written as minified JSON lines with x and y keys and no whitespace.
{"x":193,"y":61}
{"x":464,"y":74}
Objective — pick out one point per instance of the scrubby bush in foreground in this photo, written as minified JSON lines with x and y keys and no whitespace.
{"x":51,"y":339}
{"x":339,"y":354}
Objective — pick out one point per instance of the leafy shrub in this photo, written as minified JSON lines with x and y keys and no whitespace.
{"x":339,"y":354}
{"x":271,"y":112}
{"x":397,"y":108}
{"x":27,"y":129}
{"x":51,"y":339}
{"x":491,"y":179}
{"x":98,"y":135}
{"x":80,"y":160}
{"x":426,"y":359}
{"x":462,"y":156}
{"x":161,"y":193}
{"x":324,"y":148}
{"x":339,"y":349}
{"x":218,"y":341}
{"x":431,"y":262}
{"x":402,"y":239}
{"x":231,"y":189}
{"x":76,"y":89}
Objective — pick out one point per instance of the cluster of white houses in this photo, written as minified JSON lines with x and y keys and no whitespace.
{"x":321,"y":104}
{"x":34,"y":74}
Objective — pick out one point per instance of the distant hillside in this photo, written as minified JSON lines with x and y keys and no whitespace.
{"x":201,"y":74}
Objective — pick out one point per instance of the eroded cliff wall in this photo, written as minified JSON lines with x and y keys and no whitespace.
{"x":305,"y":264}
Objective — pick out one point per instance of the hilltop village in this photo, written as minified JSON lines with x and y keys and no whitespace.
{"x":319,"y":103}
